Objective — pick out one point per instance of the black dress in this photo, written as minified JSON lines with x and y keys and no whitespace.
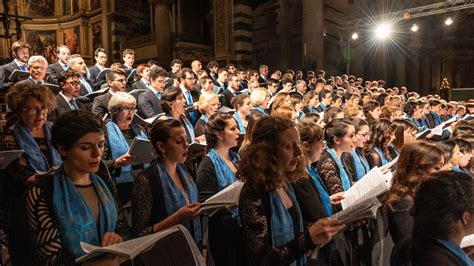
{"x":225,"y":239}
{"x":255,"y":212}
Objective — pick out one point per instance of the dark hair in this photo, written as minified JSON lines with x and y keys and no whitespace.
{"x":217,"y":123}
{"x":168,"y":96}
{"x":464,"y":145}
{"x":19,"y":45}
{"x":156,"y":72}
{"x":160,"y":131}
{"x":438,"y":205}
{"x":399,"y":126}
{"x":182,"y":73}
{"x":410,"y":107}
{"x":330,"y":114}
{"x":176,"y":61}
{"x":358,"y":123}
{"x":310,"y":118}
{"x":98,"y":50}
{"x":336,"y":128}
{"x":18,"y":94}
{"x":447,"y":146}
{"x":310,"y":132}
{"x":212,"y":64}
{"x":112,"y":74}
{"x":72,"y":126}
{"x":435,"y":102}
{"x":381,"y":135}
{"x":65,"y":75}
{"x":322,"y":94}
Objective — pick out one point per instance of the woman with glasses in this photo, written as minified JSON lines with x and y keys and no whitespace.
{"x":32,"y":134}
{"x":377,"y":149}
{"x":120,"y":133}
{"x":416,"y":162}
{"x":208,"y":105}
{"x":442,"y":216}
{"x":259,"y":99}
{"x":354,"y":161}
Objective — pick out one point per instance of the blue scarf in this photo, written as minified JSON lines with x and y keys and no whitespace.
{"x":224,"y":175}
{"x":322,"y":191}
{"x":33,"y":153}
{"x":346,"y":183}
{"x":361,"y":165}
{"x":260,"y":109}
{"x":189,"y":128}
{"x":436,"y":119}
{"x":174,"y":198}
{"x":119,"y":146}
{"x":383,"y":160}
{"x":204,"y":118}
{"x":281,"y":224}
{"x":424,"y":123}
{"x":457,"y":251}
{"x":323,"y":107}
{"x":239,"y":123}
{"x":75,"y":218}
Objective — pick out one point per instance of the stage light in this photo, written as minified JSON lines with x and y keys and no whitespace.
{"x":448,"y":21}
{"x":383,"y":31}
{"x":355,"y":36}
{"x":414,"y":28}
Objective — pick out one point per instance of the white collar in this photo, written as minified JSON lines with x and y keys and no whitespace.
{"x":65,"y":97}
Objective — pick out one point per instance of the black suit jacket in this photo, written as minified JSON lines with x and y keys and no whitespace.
{"x":227,"y":99}
{"x":139,"y":85}
{"x":261,"y":80}
{"x":83,"y":90}
{"x":62,"y":106}
{"x":53,"y":71}
{"x":94,"y":71}
{"x":5,"y":72}
{"x":148,"y":104}
{"x":100,"y":105}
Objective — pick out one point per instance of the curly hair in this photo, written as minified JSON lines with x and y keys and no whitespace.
{"x":217,"y":123}
{"x":259,"y":164}
{"x":412,"y":164}
{"x":381,"y":134}
{"x":19,"y":94}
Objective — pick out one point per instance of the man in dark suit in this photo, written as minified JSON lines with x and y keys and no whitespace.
{"x":100,"y":56}
{"x":76,"y":63}
{"x":213,"y":68}
{"x":220,"y":82}
{"x":37,"y":66}
{"x":66,"y":98}
{"x":57,"y":69}
{"x":187,"y":81}
{"x":262,"y":79}
{"x":117,"y":82}
{"x":149,"y":101}
{"x":231,"y":91}
{"x":21,"y":54}
{"x":143,"y":71}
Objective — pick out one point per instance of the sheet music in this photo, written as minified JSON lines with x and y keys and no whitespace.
{"x":7,"y":157}
{"x":467,"y":241}
{"x":371,"y":185}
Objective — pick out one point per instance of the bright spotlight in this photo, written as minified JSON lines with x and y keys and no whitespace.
{"x":448,"y":21}
{"x":414,"y":28}
{"x":383,"y":31}
{"x":355,"y":36}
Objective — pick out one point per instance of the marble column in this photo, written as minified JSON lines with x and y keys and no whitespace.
{"x":162,"y":27}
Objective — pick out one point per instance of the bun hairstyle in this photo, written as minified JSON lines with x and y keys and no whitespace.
{"x":72,"y":126}
{"x":217,"y":123}
{"x":336,"y":128}
{"x":168,"y":96}
{"x":160,"y":131}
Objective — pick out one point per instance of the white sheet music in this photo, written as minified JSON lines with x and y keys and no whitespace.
{"x":371,"y":185}
{"x":467,"y":241}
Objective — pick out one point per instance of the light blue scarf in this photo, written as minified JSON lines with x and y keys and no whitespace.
{"x":33,"y":153}
{"x":457,"y":251}
{"x":239,"y":123}
{"x":119,"y":146}
{"x":204,"y":118}
{"x":260,"y":109}
{"x":174,"y":198}
{"x":345,"y":181}
{"x":75,"y":218}
{"x":322,"y":191}
{"x":436,"y":119}
{"x":361,"y":165}
{"x":281,"y":223}
{"x":189,"y":128}
{"x":383,"y":160}
{"x":224,"y":175}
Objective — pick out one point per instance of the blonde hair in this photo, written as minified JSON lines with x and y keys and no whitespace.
{"x":118,"y":100}
{"x":204,"y":100}
{"x":257,"y":97}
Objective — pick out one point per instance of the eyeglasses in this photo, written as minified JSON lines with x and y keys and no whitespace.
{"x":73,"y":83}
{"x":365,"y":135}
{"x":128,"y":110}
{"x":34,"y":111}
